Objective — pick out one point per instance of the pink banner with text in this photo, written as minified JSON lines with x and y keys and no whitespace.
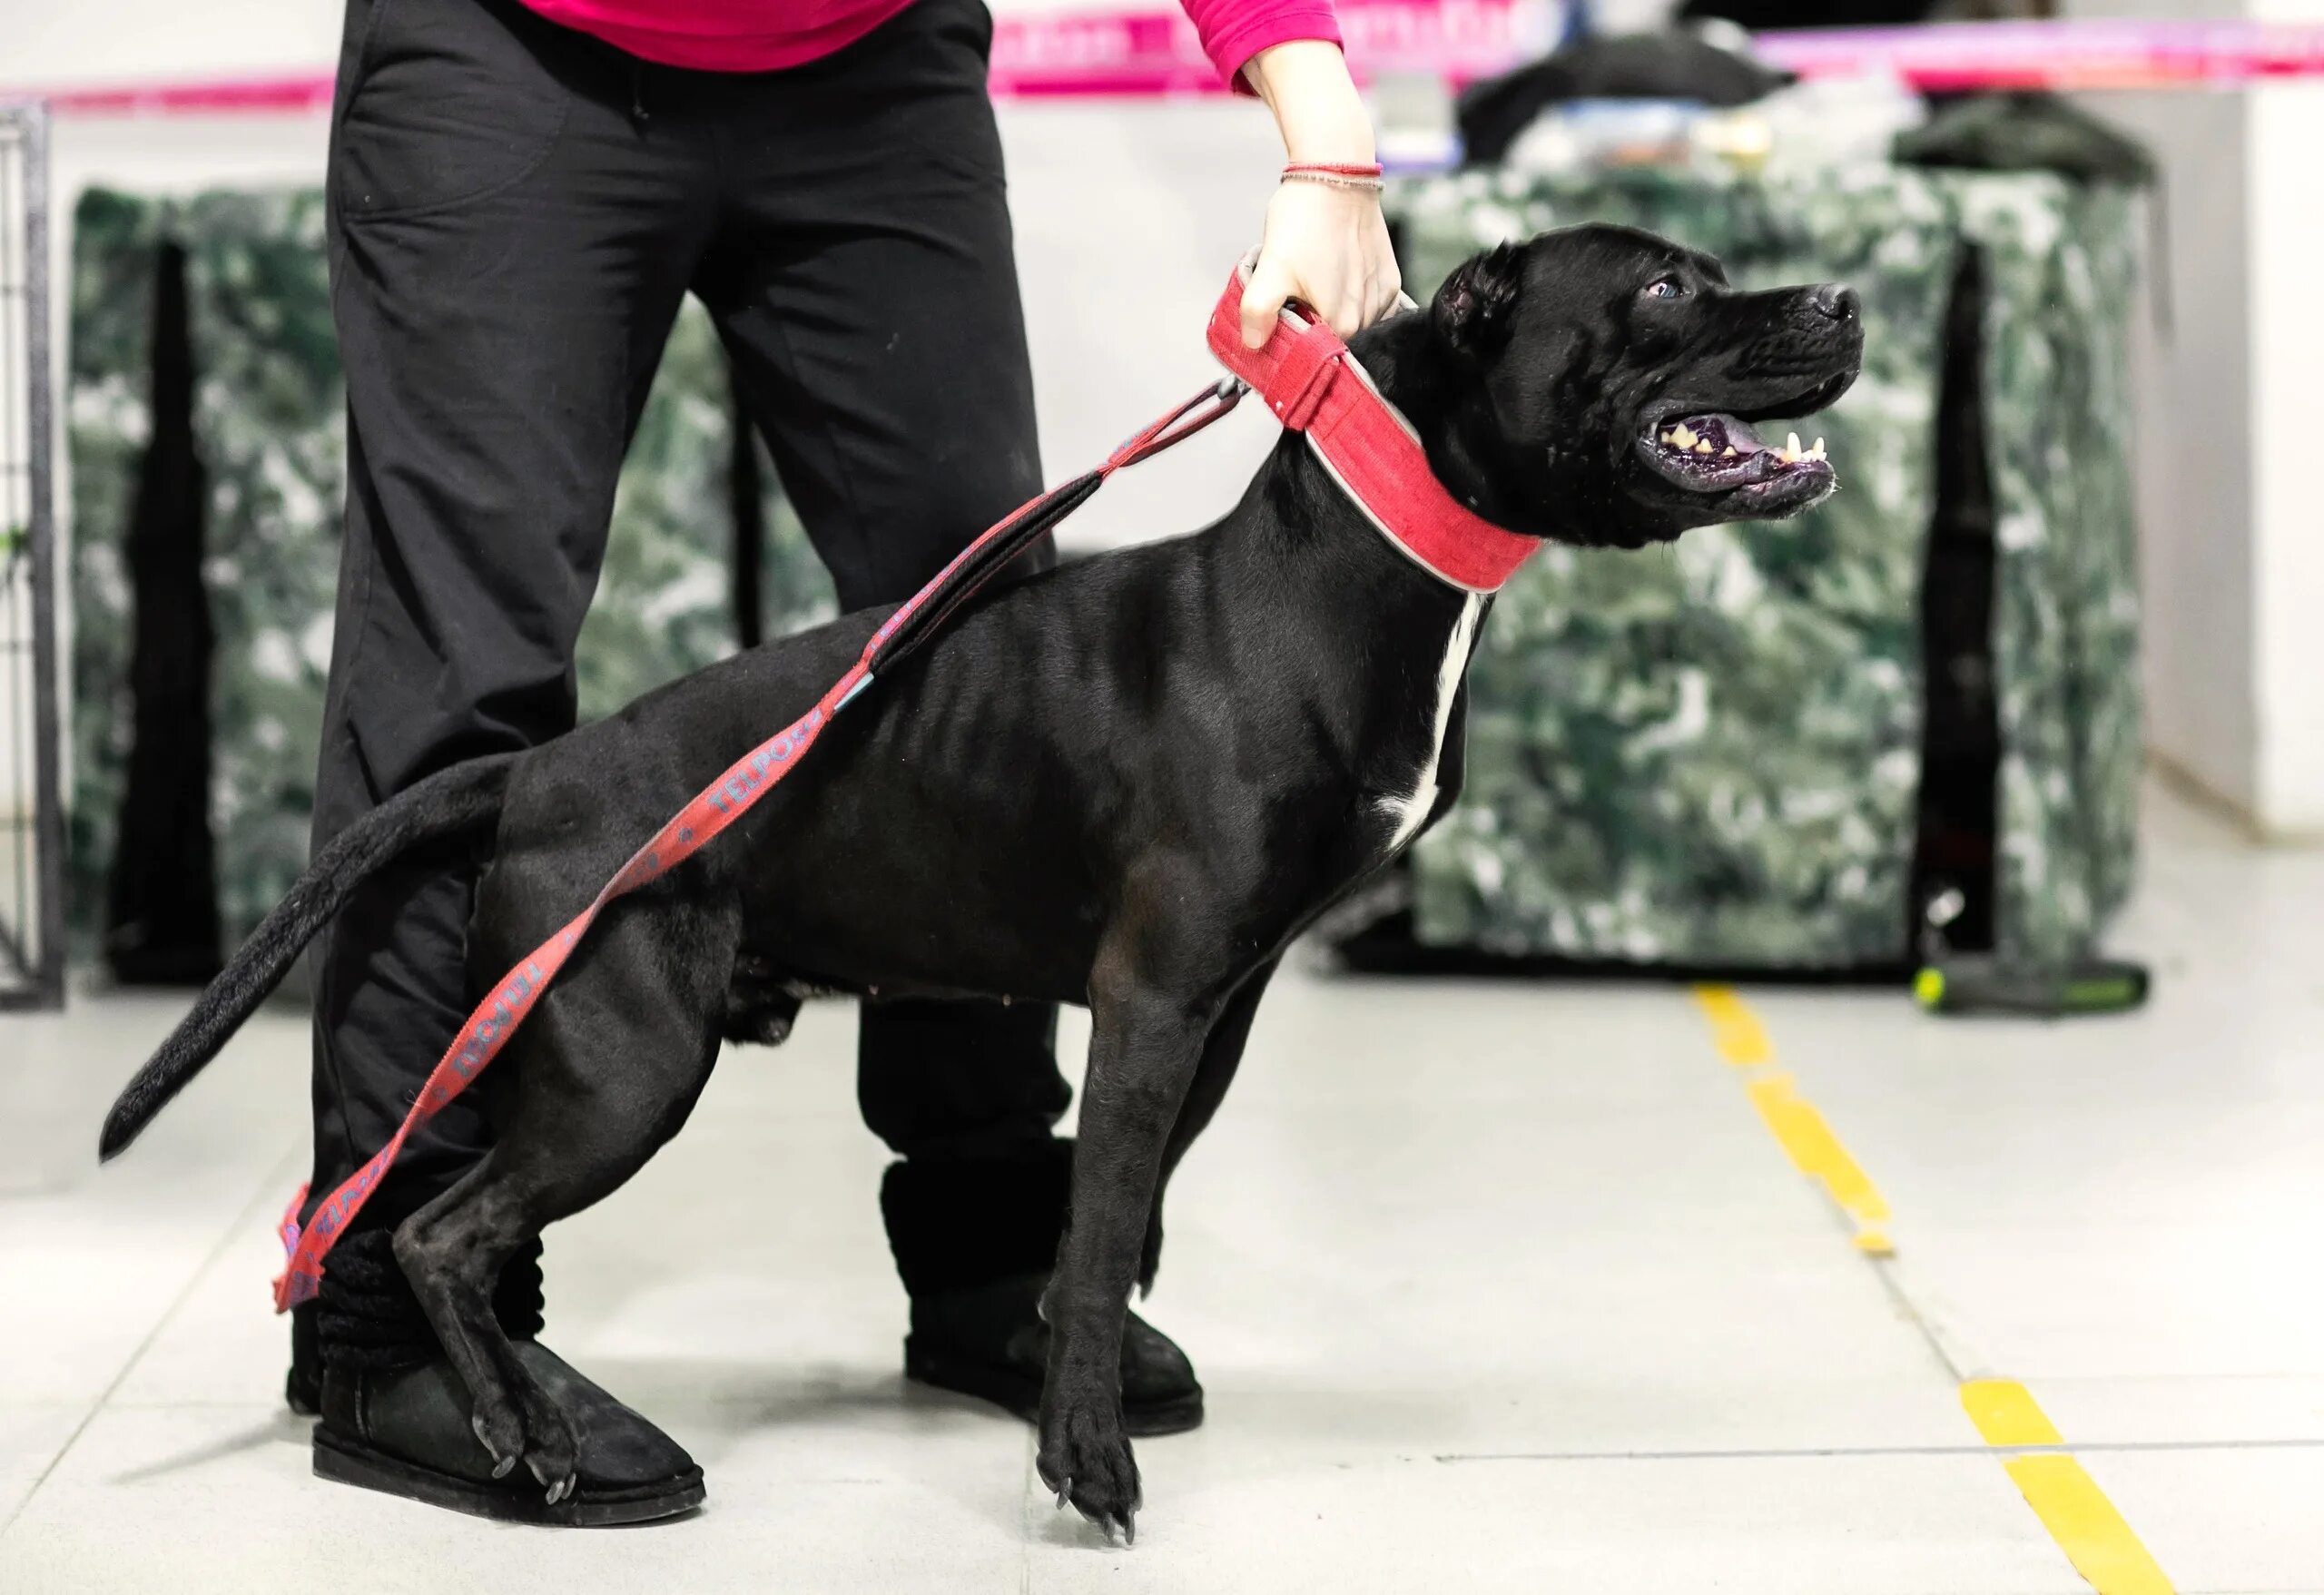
{"x":1153,"y":50}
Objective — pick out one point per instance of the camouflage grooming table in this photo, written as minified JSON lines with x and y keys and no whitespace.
{"x":1713,"y":757}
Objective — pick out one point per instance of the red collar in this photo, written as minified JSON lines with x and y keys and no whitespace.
{"x":1314,"y":385}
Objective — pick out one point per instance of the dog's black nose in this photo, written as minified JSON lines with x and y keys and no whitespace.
{"x":1836,"y":299}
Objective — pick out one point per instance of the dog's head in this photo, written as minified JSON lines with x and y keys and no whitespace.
{"x":1605,"y":386}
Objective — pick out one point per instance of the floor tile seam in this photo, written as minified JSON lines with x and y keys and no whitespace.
{"x":248,"y":1213}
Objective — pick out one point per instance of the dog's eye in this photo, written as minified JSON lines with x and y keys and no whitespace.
{"x":1665,"y":287}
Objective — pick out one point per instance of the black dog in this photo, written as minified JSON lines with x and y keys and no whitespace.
{"x":1129,"y":783}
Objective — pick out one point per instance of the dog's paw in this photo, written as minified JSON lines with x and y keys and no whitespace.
{"x":525,"y":1424}
{"x":552,"y":1454}
{"x":1084,"y":1457}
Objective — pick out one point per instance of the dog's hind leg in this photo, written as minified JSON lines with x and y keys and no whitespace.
{"x":452,"y":1251}
{"x":1222,"y":1050}
{"x":606,"y":1072}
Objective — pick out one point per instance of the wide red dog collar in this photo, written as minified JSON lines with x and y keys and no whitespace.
{"x":1316,"y":385}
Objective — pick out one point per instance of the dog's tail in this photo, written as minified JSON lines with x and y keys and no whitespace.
{"x":446,"y":803}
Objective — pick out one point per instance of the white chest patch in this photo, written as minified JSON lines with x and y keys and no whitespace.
{"x":1411,"y":813}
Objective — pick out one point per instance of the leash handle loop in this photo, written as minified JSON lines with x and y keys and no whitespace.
{"x":1175,"y":428}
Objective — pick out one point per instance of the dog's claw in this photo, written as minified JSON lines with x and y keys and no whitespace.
{"x":561,"y":1489}
{"x":1063,"y":1490}
{"x":1129,"y":1526}
{"x":500,"y":1464}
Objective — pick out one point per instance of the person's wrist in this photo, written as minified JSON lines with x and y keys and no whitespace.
{"x":1323,"y":137}
{"x":1321,"y":142}
{"x":1305,"y":82}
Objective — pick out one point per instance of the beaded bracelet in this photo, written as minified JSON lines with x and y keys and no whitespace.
{"x":1362,"y":179}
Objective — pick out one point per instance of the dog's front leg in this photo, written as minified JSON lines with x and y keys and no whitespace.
{"x":1222,"y":1050}
{"x":1144,"y":1046}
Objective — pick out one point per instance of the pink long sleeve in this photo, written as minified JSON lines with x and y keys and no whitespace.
{"x":766,"y":35}
{"x":1233,"y":31}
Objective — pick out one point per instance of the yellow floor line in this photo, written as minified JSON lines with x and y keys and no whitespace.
{"x":2005,"y":1412}
{"x":2063,"y":1496}
{"x":1735,"y":1029}
{"x":1798,"y":1128}
{"x":1816,"y":1153}
{"x":2101,"y":1545}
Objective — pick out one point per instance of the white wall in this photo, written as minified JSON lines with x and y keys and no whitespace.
{"x":2195,"y":494}
{"x":2233,"y":539}
{"x":111,"y":40}
{"x":2287,"y":243}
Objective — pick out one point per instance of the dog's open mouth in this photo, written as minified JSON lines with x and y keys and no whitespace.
{"x":1719,"y":453}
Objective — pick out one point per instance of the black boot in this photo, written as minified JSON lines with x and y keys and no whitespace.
{"x":303,"y":1387}
{"x":396,"y":1417}
{"x":974,"y":1240}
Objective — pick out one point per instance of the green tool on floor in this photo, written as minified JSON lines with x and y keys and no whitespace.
{"x":1982,"y":985}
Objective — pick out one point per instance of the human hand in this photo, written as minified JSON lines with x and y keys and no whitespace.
{"x":1326,"y":244}
{"x":1328,"y":248}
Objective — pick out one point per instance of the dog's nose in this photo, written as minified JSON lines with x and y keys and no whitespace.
{"x":1836,"y":299}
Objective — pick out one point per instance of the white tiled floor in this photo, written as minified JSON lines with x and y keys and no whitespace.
{"x":1495,"y":1287}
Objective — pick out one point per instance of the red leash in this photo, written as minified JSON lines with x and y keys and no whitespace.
{"x":712,"y":809}
{"x":1310,"y":384}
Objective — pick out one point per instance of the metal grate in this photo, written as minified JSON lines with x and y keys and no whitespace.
{"x":32,"y":815}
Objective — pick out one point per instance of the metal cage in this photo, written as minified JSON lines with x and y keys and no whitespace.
{"x":31,"y":811}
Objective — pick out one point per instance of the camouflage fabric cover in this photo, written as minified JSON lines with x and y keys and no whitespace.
{"x":1709,"y":755}
{"x":1706,"y":754}
{"x":270,"y":424}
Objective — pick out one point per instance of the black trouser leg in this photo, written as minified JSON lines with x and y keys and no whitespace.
{"x":867,"y":289}
{"x":507,"y":253}
{"x":510,"y":239}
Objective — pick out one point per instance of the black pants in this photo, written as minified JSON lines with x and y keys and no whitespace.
{"x":516,"y":211}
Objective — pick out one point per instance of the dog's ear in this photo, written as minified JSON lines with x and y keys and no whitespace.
{"x":1473,"y":311}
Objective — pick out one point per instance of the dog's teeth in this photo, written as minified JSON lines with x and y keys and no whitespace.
{"x":1682,"y":436}
{"x":1816,"y":451}
{"x":1702,"y":446}
{"x":1730,"y":452}
{"x":1791,"y":450}
{"x":1671,"y":438}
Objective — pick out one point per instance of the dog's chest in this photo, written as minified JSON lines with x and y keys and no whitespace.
{"x":1413,"y":765}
